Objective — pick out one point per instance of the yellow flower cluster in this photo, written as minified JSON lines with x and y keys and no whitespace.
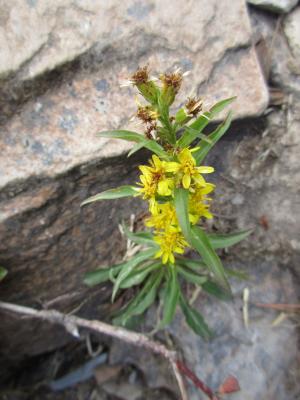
{"x":158,"y":181}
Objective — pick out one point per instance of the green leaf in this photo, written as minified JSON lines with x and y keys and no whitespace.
{"x":101,"y":275}
{"x":163,"y":109}
{"x":124,"y":135}
{"x":171,"y":297}
{"x":137,"y":276}
{"x":189,"y":135}
{"x":135,"y":148}
{"x":218,"y":107}
{"x":201,"y":122}
{"x":215,"y":290}
{"x":202,"y":244}
{"x":205,"y":138}
{"x":181,"y":116}
{"x":237,"y":274}
{"x":197,"y":238}
{"x":156,"y":148}
{"x":192,"y":264}
{"x":181,"y":199}
{"x":130,"y":265}
{"x":143,"y":300}
{"x":219,"y":241}
{"x":138,"y":138}
{"x":194,"y":319}
{"x":205,"y":147}
{"x":122,"y":191}
{"x":192,"y":276}
{"x":143,"y":238}
{"x":3,"y":273}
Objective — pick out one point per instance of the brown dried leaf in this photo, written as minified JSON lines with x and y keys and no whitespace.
{"x":230,"y":385}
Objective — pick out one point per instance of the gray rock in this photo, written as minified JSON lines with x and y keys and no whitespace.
{"x":292,"y":32}
{"x":278,"y":6}
{"x":278,"y":56}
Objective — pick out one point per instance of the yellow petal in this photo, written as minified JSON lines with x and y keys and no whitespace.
{"x":172,"y":166}
{"x":156,"y":161}
{"x":172,"y":258}
{"x":186,"y":181}
{"x":163,"y":188}
{"x":165,"y":258}
{"x":205,"y":170}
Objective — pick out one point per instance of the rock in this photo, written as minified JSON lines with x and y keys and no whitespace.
{"x":64,"y":29}
{"x":50,"y":157}
{"x":261,"y":357}
{"x":277,"y":6}
{"x":277,"y":55}
{"x":292,"y":32}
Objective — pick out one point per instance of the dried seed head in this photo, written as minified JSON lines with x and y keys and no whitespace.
{"x":140,"y":76}
{"x":150,"y":131}
{"x":173,"y":80}
{"x":194,"y":106}
{"x":146,"y":114}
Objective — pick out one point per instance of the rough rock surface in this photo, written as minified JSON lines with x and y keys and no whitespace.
{"x":292,"y":32}
{"x":278,"y":6}
{"x":56,"y":131}
{"x":277,"y":55}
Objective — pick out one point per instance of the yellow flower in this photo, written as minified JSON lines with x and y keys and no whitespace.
{"x":170,"y":241}
{"x":154,"y":180}
{"x":198,"y":203}
{"x":163,"y":216}
{"x":187,"y":170}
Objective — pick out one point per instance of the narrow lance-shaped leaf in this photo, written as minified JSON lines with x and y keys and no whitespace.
{"x":181,"y":198}
{"x":135,"y":137}
{"x":171,"y":297}
{"x":130,"y":265}
{"x":194,"y":319}
{"x":111,"y":194}
{"x":205,"y":138}
{"x":197,"y":238}
{"x":138,"y":275}
{"x":220,"y":241}
{"x":237,"y":274}
{"x":143,"y":300}
{"x":192,"y":264}
{"x":216,"y":290}
{"x":143,"y":238}
{"x":135,"y":148}
{"x":201,"y":243}
{"x":101,"y":275}
{"x":192,"y":276}
{"x":205,"y":147}
{"x":201,"y":122}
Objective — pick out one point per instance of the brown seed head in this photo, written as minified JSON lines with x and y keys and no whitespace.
{"x":173,"y":80}
{"x":146,"y":114}
{"x":194,"y":106}
{"x":140,"y":76}
{"x":149,"y":129}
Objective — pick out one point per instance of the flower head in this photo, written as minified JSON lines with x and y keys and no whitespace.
{"x":199,"y":203}
{"x":170,"y":241}
{"x":193,"y":106}
{"x":163,"y":216}
{"x":187,"y":170}
{"x":154,"y":180}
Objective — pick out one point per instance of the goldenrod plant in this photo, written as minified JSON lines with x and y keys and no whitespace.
{"x":174,"y":184}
